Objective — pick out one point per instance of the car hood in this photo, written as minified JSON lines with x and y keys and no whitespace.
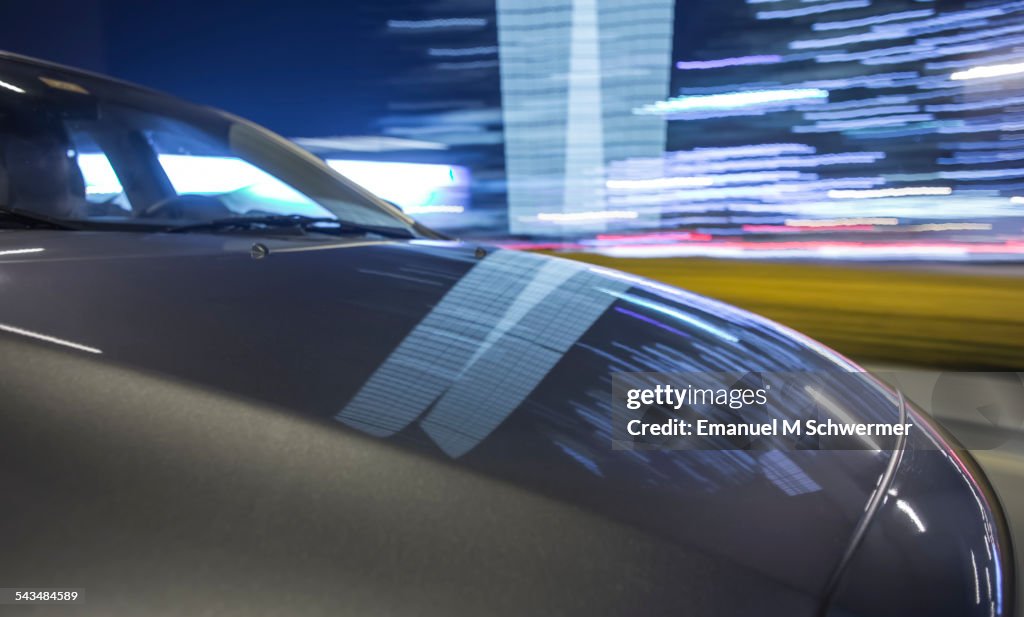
{"x":497,"y":360}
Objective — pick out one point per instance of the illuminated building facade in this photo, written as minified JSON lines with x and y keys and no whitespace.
{"x":572,"y":71}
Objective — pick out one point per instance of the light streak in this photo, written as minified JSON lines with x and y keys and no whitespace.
{"x":817,"y":160}
{"x":659,"y":183}
{"x":982,"y":174}
{"x":464,"y":22}
{"x":462,"y":51}
{"x":993,"y":70}
{"x":48,"y":339}
{"x":961,"y":158}
{"x":751,"y":151}
{"x":861,"y":123}
{"x":731,"y":100}
{"x":864,"y":111}
{"x":367,"y":143}
{"x":597,"y":215}
{"x":976,"y":105}
{"x":911,"y":514}
{"x":20,"y":251}
{"x":627,"y":182}
{"x":953,"y":19}
{"x":927,"y":53}
{"x":870,"y":21}
{"x":950,"y":227}
{"x":814,"y":10}
{"x":675,"y":314}
{"x":951,"y":251}
{"x":977,"y":586}
{"x":692,"y":65}
{"x":11,"y":87}
{"x":895,"y":192}
{"x":842,"y":222}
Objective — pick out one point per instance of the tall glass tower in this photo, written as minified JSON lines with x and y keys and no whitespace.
{"x":572,"y":72}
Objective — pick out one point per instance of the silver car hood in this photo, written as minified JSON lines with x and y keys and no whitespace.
{"x":498,"y":361}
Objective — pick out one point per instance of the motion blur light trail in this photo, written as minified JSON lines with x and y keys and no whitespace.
{"x":934,"y":140}
{"x":723,"y":62}
{"x":651,"y":246}
{"x":997,"y":70}
{"x":732,"y":100}
{"x":924,"y":251}
{"x":902,"y":315}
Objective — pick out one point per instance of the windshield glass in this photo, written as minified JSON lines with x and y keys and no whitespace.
{"x":110,"y":156}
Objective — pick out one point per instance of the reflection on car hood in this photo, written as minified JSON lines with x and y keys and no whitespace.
{"x":497,"y":359}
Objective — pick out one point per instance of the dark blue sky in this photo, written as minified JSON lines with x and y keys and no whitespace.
{"x":301,"y":68}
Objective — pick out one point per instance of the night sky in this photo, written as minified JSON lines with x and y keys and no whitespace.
{"x":301,"y":68}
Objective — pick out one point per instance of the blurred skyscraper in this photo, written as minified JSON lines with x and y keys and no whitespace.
{"x":572,"y":71}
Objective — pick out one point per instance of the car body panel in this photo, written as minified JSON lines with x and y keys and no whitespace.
{"x":307,"y":327}
{"x":939,"y":543}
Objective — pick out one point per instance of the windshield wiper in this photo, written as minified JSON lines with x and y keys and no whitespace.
{"x":305,"y":223}
{"x":32,"y":220}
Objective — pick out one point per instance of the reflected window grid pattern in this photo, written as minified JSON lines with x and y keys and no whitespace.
{"x":481,"y":351}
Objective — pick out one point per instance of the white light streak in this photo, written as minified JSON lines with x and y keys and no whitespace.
{"x":900,"y":192}
{"x":844,"y":221}
{"x":909,"y":511}
{"x":812,"y":10}
{"x":676,"y":314}
{"x":977,"y":585}
{"x":20,"y":251}
{"x":870,"y":21}
{"x":11,"y":87}
{"x":751,"y":164}
{"x":48,"y":339}
{"x":597,"y":215}
{"x":697,"y":65}
{"x":739,"y":152}
{"x":660,"y":183}
{"x":993,"y":70}
{"x":731,"y":100}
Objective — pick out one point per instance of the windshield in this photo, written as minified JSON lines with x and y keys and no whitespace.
{"x":101,"y":155}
